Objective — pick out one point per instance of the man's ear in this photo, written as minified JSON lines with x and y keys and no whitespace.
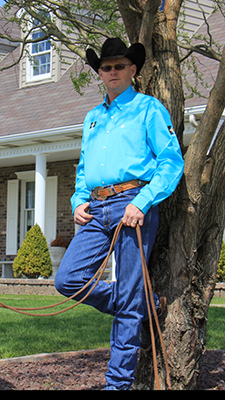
{"x":133,"y":70}
{"x":100,"y":74}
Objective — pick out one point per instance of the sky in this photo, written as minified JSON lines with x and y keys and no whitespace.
{"x":1,"y":3}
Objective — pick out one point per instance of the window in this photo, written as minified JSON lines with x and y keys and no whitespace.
{"x":29,"y":206}
{"x":39,"y":58}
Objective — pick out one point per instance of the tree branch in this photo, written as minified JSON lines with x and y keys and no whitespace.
{"x":202,"y":49}
{"x":197,"y":150}
{"x":150,"y":10}
{"x":217,"y":153}
{"x":131,"y":19}
{"x":51,"y":29}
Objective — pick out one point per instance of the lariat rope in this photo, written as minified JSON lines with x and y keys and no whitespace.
{"x":98,"y":275}
{"x":148,"y":286}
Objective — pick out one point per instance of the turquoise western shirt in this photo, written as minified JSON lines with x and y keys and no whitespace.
{"x":132,"y":138}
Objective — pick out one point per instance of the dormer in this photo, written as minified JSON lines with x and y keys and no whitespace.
{"x":39,"y":55}
{"x":44,"y":61}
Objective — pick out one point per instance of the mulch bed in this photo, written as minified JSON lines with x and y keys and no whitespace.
{"x":86,"y":372}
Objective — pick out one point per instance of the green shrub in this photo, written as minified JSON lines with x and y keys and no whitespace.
{"x":33,"y":258}
{"x":221,"y":265}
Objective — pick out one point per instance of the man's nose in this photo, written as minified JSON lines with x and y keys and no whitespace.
{"x":113,"y":70}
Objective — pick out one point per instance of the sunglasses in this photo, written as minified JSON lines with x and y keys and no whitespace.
{"x":118,"y":67}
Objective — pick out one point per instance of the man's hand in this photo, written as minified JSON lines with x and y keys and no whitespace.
{"x":132,"y":216}
{"x":81,"y":216}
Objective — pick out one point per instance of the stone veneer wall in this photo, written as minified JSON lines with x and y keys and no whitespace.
{"x":46,"y":287}
{"x":28,"y":286}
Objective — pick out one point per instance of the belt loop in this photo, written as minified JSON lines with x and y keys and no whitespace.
{"x":91,"y":194}
{"x":114,"y":191}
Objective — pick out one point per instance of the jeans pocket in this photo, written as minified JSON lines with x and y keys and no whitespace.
{"x":127,"y":196}
{"x":131,"y":193}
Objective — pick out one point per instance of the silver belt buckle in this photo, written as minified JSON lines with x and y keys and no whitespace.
{"x":95,"y":191}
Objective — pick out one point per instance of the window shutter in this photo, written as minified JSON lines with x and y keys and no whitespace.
{"x":51,"y":208}
{"x":12,"y":217}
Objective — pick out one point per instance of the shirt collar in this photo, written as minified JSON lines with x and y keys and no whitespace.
{"x":123,"y":98}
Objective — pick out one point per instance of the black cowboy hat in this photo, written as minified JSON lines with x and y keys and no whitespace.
{"x":114,"y":48}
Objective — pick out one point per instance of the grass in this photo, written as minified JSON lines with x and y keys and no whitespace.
{"x":77,"y":329}
{"x":218,"y":300}
{"x":215,"y":338}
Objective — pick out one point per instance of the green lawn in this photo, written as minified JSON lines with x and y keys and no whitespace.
{"x":218,"y":300}
{"x":215,"y":337}
{"x":77,"y":329}
{"x":216,"y":325}
{"x":80,"y":328}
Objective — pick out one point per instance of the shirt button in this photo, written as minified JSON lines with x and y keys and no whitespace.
{"x":102,"y":165}
{"x":103,"y":182}
{"x":112,"y":117}
{"x":107,"y":131}
{"x":103,"y":147}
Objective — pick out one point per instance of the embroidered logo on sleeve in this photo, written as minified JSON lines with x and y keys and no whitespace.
{"x":93,"y":124}
{"x":171,"y":130}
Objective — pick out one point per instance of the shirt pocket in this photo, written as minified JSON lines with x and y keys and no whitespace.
{"x":132,"y":138}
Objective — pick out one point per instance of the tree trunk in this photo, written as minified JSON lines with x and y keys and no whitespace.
{"x":185,"y":256}
{"x":185,"y":271}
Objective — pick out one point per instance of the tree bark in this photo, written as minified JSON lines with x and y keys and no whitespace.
{"x":185,"y":256}
{"x":183,"y":265}
{"x":195,"y":157}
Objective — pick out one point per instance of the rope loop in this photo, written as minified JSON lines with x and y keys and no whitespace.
{"x":98,"y":275}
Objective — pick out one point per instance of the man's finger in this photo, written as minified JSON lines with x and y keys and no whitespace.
{"x":81,"y":216}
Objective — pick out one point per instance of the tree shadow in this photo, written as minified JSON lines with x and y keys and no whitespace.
{"x":6,"y":385}
{"x":212,"y":370}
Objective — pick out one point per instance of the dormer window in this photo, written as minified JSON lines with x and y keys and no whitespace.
{"x":41,"y":56}
{"x":44,"y":60}
{"x":39,"y":59}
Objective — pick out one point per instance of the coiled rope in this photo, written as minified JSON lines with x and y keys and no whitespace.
{"x":98,"y":275}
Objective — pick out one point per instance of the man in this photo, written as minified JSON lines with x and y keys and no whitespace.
{"x":130,"y":161}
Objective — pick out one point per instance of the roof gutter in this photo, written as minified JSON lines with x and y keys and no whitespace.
{"x":41,"y":134}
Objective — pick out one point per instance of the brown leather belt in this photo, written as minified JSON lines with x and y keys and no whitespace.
{"x":102,"y":192}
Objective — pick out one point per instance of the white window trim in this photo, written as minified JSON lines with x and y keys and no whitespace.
{"x":23,"y":176}
{"x":51,"y":208}
{"x":26,"y":178}
{"x":51,"y":203}
{"x":29,"y":67}
{"x":30,"y":78}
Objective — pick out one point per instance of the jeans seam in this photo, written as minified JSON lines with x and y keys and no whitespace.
{"x":93,"y":259}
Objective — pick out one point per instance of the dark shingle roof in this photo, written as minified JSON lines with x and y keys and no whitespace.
{"x":42,"y":106}
{"x":53,"y":105}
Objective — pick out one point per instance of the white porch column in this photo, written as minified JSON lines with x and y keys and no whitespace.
{"x":40,"y":191}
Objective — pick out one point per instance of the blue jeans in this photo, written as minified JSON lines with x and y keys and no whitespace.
{"x":124,"y":299}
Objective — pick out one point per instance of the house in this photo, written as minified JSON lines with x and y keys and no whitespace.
{"x":195,"y":106}
{"x":41,"y":118}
